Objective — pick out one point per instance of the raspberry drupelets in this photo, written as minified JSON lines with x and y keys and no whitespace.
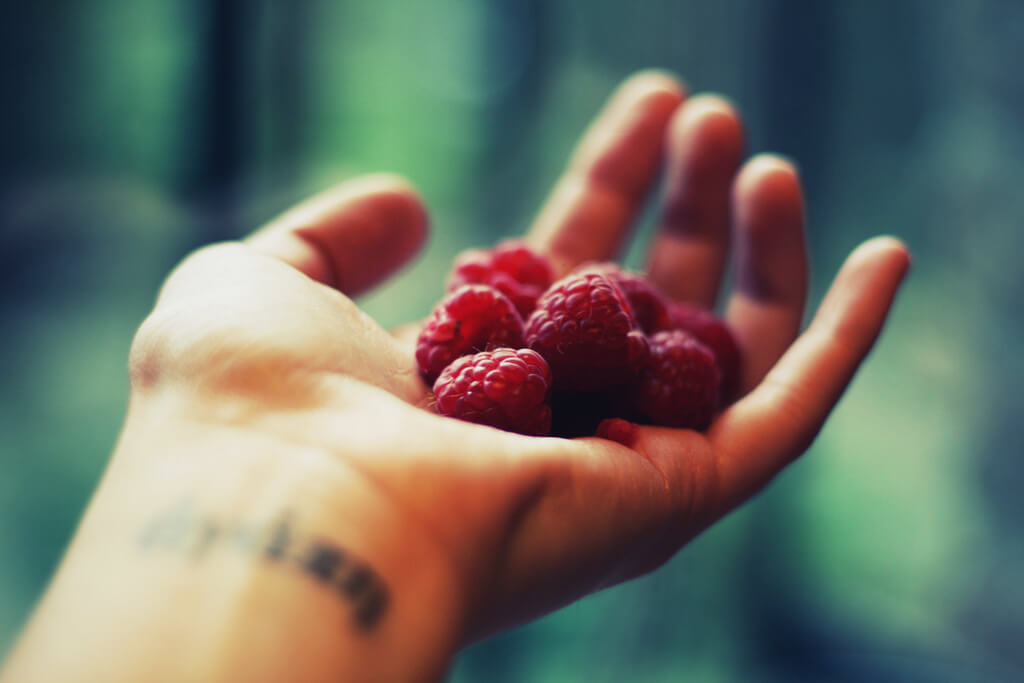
{"x":715,"y":335}
{"x":511,"y":267}
{"x":649,"y":305}
{"x":472,"y":318}
{"x":679,"y":387}
{"x":585,"y":329}
{"x":504,"y":388}
{"x":590,"y":356}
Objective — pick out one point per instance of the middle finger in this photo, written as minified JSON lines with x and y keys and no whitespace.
{"x":689,"y":252}
{"x":593,"y":204}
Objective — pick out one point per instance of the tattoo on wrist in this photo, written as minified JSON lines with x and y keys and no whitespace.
{"x":184,"y":529}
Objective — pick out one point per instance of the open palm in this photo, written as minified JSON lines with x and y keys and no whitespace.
{"x":527,"y":524}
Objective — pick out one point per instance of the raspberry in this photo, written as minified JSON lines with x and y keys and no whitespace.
{"x":503,"y":388}
{"x":618,"y":430}
{"x":584,"y":328}
{"x":679,"y":388}
{"x":472,"y":318}
{"x":715,"y":335}
{"x":648,"y":304}
{"x":511,"y":267}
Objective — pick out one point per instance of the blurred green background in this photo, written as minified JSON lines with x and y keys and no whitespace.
{"x":134,"y":130}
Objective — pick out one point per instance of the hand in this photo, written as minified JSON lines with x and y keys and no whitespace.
{"x":261,"y":339}
{"x":529,"y":524}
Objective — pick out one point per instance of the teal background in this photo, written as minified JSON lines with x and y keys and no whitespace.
{"x":132,"y":131}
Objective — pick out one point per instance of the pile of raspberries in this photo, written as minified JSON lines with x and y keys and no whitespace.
{"x":512,"y":348}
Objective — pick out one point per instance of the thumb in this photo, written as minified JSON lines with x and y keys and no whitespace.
{"x":351,"y":236}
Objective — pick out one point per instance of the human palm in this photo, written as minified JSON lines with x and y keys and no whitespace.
{"x":262,"y":334}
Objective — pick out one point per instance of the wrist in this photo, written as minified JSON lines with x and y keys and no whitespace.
{"x":280,"y":560}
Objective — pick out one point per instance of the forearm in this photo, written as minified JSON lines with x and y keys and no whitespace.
{"x":211,"y":553}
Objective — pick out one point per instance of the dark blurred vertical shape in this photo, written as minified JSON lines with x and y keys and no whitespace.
{"x":518,"y":59}
{"x":224,"y":99}
{"x":796,"y":81}
{"x":14,"y":45}
{"x":288,"y":87}
{"x":251,"y":100}
{"x":516,"y":62}
{"x":31,"y":79}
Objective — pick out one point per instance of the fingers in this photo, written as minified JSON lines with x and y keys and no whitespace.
{"x":767,"y":307}
{"x":352,"y":236}
{"x":608,"y":176}
{"x":705,"y":144}
{"x":761,"y":434}
{"x":604,"y":512}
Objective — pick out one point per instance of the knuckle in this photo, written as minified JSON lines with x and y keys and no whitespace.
{"x":149,"y":352}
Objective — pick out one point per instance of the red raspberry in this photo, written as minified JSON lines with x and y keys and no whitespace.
{"x":649,"y":305}
{"x":511,"y":267}
{"x":586,"y":332}
{"x":472,"y":318}
{"x":714,"y":334}
{"x":679,"y":388}
{"x":618,"y":430}
{"x":504,"y":388}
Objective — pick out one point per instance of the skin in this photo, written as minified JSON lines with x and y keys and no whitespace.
{"x":259,"y":390}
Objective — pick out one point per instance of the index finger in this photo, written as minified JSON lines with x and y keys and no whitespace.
{"x":608,"y":176}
